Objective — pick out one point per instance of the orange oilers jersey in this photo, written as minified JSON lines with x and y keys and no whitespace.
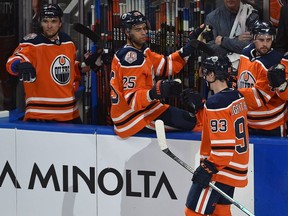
{"x":274,"y":11}
{"x":225,"y":140}
{"x":266,"y":110}
{"x":132,"y":76}
{"x":51,"y":96}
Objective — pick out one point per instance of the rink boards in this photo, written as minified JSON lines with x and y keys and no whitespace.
{"x":65,"y":170}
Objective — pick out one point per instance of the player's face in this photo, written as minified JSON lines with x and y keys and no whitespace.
{"x":138,"y":34}
{"x":51,"y":26}
{"x":263,"y":43}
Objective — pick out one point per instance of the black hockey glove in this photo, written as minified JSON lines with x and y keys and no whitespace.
{"x":277,"y":77}
{"x":26,"y":72}
{"x":188,"y":48}
{"x":203,"y":173}
{"x":193,"y":99}
{"x":94,"y":60}
{"x":196,"y":41}
{"x":251,"y":20}
{"x":165,"y":88}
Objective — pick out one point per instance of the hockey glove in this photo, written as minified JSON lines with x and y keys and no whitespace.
{"x":195,"y":41}
{"x":165,"y":88}
{"x":251,"y":20}
{"x":193,"y":99}
{"x":94,"y":60}
{"x":204,"y":34}
{"x":203,"y":173}
{"x":188,"y":48}
{"x":26,"y":72}
{"x":277,"y":77}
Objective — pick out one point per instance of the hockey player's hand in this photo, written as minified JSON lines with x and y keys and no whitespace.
{"x":193,"y":35}
{"x":193,"y":99}
{"x":26,"y":72}
{"x":165,"y":88}
{"x":197,"y":40}
{"x":202,"y":33}
{"x":197,"y":32}
{"x":203,"y":173}
{"x":277,"y":77}
{"x":94,"y":60}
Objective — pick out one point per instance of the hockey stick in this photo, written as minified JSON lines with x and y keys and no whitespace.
{"x":161,"y":137}
{"x":82,"y":29}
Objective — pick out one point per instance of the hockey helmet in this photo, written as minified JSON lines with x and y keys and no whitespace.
{"x":133,"y":18}
{"x":51,"y":10}
{"x":221,"y":66}
{"x":262,"y":27}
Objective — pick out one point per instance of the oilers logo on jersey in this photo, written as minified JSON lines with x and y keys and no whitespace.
{"x":246,"y":80}
{"x":60,"y":70}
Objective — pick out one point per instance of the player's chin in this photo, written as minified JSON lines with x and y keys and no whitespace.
{"x":263,"y":51}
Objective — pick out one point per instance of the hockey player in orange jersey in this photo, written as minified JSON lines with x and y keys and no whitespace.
{"x":278,"y":81}
{"x":135,"y":103}
{"x":224,"y":150}
{"x":266,"y":107}
{"x":46,"y":63}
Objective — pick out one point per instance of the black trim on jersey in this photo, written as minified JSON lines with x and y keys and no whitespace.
{"x":222,"y":147}
{"x":268,"y":60}
{"x":222,"y":99}
{"x":130,"y":97}
{"x":235,"y":170}
{"x":135,"y":114}
{"x":50,"y":105}
{"x":123,"y":52}
{"x":261,"y":96}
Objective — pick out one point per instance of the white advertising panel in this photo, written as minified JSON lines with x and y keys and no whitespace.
{"x":136,"y":178}
{"x":8,"y":183}
{"x":57,"y":174}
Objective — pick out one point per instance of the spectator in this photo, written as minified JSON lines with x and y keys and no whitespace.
{"x":47,"y":65}
{"x":135,"y":97}
{"x":281,"y":42}
{"x":229,"y":29}
{"x":224,"y":148}
{"x":266,"y":108}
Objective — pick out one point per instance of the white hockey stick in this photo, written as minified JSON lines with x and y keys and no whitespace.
{"x":161,"y":137}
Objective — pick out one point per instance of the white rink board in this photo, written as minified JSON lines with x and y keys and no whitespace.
{"x":111,"y":176}
{"x":58,"y":150}
{"x":143,"y":154}
{"x":7,"y":157}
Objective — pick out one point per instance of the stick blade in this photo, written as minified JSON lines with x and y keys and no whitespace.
{"x":160,"y":132}
{"x":82,"y":29}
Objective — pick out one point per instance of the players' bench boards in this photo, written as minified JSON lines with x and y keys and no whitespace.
{"x":60,"y":169}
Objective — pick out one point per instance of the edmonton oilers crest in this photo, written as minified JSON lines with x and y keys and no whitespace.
{"x":246,"y":80}
{"x":60,"y":70}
